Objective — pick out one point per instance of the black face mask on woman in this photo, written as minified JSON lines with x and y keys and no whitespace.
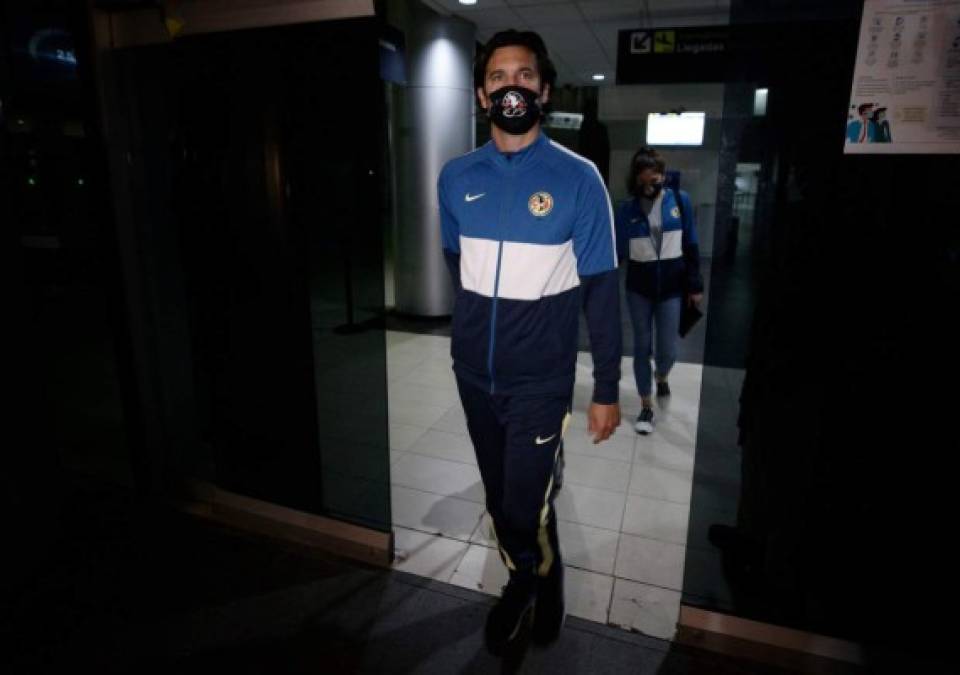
{"x":514,"y":109}
{"x":651,"y":190}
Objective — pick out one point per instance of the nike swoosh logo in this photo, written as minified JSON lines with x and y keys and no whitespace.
{"x":472,"y":198}
{"x":541,"y":441}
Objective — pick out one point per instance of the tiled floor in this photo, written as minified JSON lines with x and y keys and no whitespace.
{"x":623,"y":508}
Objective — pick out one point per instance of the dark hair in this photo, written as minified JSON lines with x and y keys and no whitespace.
{"x":644,"y":158}
{"x":514,"y":38}
{"x":863,"y":107}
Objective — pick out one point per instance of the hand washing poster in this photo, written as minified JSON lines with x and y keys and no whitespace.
{"x":906,"y":83}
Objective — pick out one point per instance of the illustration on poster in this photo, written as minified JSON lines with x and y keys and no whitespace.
{"x":867,"y":123}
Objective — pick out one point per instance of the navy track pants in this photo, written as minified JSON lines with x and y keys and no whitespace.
{"x":518,"y":441}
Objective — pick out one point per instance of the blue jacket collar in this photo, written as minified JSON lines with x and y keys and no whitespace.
{"x":522,"y":158}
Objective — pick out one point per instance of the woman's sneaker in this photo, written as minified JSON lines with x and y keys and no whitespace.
{"x":644,"y":423}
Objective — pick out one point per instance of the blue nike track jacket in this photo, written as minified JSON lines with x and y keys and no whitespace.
{"x":529,"y":238}
{"x":674,"y":270}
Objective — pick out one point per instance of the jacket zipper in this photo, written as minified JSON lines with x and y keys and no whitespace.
{"x":657,"y":250}
{"x":493,"y":318}
{"x":507,"y":195}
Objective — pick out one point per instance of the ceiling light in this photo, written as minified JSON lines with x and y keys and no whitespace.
{"x":599,"y":77}
{"x":468,"y":2}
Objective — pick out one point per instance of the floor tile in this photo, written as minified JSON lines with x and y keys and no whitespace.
{"x":646,"y":609}
{"x":399,"y":367}
{"x":415,"y":414}
{"x":417,"y":347}
{"x":660,"y":449}
{"x":402,"y":436}
{"x":650,"y":561}
{"x":433,"y":373}
{"x":599,"y":508}
{"x":427,"y":512}
{"x":481,"y":570}
{"x":595,"y":472}
{"x":656,"y":519}
{"x":445,"y":445}
{"x":587,"y":594}
{"x":453,"y":421}
{"x":427,"y":555}
{"x":440,"y":476}
{"x":483,"y":533}
{"x":659,"y":483}
{"x":677,"y":420}
{"x":590,"y":548}
{"x":418,"y":393}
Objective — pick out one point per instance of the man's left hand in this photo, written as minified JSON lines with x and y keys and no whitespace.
{"x":694,"y":299}
{"x":603,"y":420}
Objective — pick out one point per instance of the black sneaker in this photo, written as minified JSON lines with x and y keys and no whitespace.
{"x":644,"y":424}
{"x":512,"y":612}
{"x":550,"y":612}
{"x":663,"y":389}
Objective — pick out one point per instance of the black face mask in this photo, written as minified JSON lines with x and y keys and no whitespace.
{"x":651,"y":190}
{"x":514,"y":109}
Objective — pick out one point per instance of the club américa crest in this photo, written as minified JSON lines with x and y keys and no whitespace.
{"x":513,"y":105}
{"x":540,"y":203}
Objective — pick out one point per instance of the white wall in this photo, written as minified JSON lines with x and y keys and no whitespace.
{"x":628,"y":107}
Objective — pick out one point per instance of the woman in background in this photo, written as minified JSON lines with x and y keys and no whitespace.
{"x":656,"y":231}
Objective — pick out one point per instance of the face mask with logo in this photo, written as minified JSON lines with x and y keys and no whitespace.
{"x":514,"y":109}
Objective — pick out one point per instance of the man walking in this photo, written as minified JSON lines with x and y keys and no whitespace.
{"x":527,"y":230}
